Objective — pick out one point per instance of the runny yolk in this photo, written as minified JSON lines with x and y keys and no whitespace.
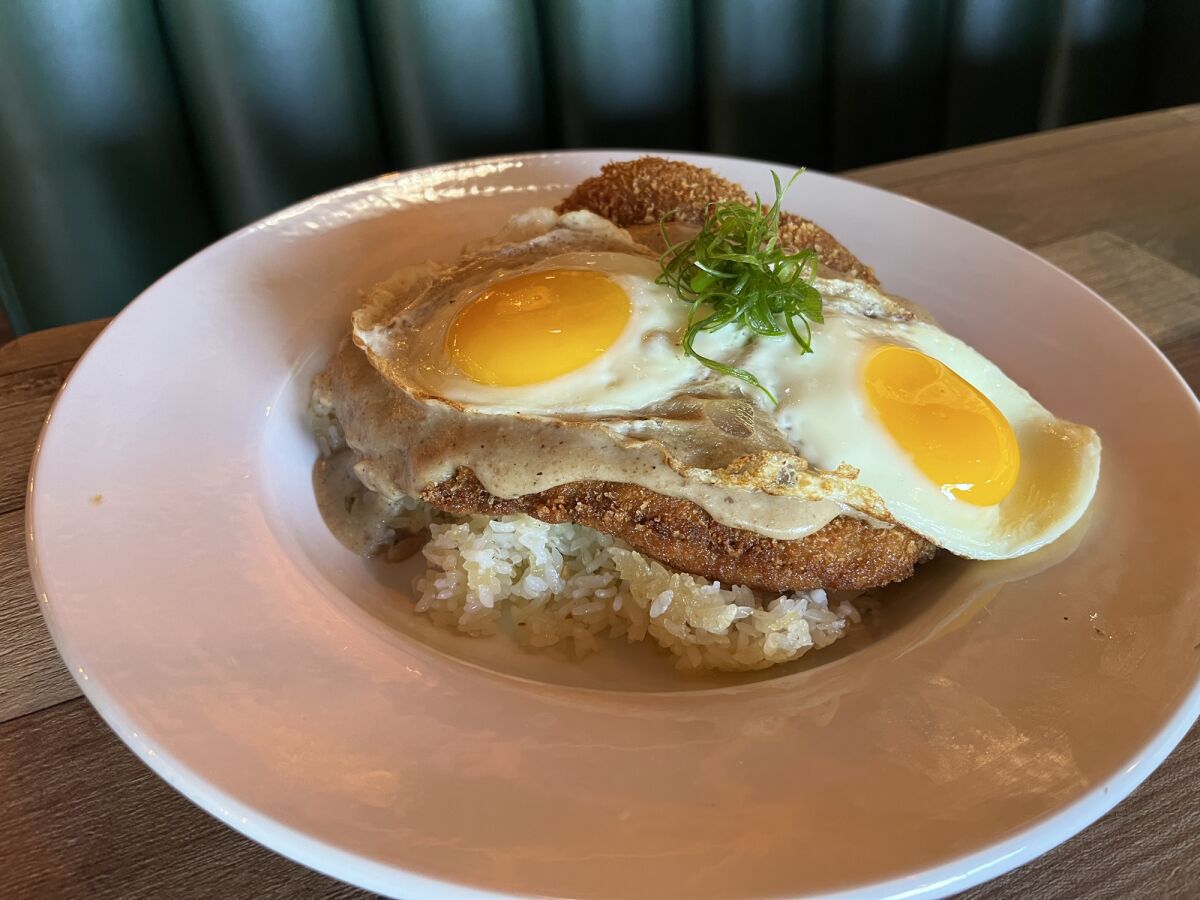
{"x":537,"y":326}
{"x":953,"y":433}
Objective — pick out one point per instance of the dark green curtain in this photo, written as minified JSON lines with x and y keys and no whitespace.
{"x":278,"y":96}
{"x":133,"y":132}
{"x":99,"y":188}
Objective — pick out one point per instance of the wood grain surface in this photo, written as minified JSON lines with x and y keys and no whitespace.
{"x":1117,"y":204}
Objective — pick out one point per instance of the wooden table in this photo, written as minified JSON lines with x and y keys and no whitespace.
{"x":1117,"y":204}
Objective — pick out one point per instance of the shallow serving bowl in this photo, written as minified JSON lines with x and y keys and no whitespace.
{"x":987,"y":712}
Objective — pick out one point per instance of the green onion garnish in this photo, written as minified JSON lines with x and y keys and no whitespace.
{"x":736,"y":270}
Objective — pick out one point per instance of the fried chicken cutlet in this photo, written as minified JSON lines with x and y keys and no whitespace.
{"x":846,"y":553}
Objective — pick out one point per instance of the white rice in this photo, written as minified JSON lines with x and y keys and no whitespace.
{"x":570,"y":585}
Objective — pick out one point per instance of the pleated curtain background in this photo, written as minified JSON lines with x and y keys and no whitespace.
{"x":134,"y":132}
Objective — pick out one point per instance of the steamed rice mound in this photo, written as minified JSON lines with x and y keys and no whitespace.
{"x":570,"y":585}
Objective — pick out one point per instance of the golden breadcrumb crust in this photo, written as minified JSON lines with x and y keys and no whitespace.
{"x":644,"y":190}
{"x":845,"y":554}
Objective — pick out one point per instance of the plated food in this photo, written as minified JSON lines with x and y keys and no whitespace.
{"x":665,"y":409}
{"x":289,"y":689}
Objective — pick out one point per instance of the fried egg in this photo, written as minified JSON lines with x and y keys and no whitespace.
{"x":958,"y":452}
{"x":890,"y":416}
{"x":580,"y":333}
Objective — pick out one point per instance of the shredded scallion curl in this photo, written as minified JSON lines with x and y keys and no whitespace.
{"x":736,"y":270}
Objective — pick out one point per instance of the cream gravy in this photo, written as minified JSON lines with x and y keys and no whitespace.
{"x":399,"y":452}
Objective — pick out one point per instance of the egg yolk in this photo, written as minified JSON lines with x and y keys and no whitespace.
{"x":537,"y":326}
{"x":953,"y":433}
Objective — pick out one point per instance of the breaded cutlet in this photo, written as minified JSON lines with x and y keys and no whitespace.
{"x":846,"y":553}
